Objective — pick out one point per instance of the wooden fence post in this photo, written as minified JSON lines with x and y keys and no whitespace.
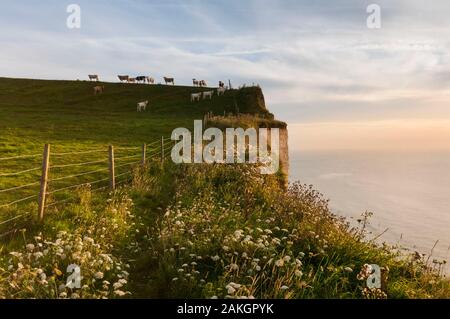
{"x":112,"y":176}
{"x":162,"y":149}
{"x":144,"y":153}
{"x":44,"y":180}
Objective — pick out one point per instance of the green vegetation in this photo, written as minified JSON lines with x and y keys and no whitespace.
{"x":175,"y":231}
{"x":67,"y":115}
{"x":191,"y":231}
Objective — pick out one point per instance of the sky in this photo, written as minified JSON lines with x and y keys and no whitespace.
{"x":338,"y":83}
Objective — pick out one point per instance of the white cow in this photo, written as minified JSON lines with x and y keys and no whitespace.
{"x":196,"y":97}
{"x":142,"y":106}
{"x":208,"y":94}
{"x":221,"y":91}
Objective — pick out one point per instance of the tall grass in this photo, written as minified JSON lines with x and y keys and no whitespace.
{"x":208,"y":231}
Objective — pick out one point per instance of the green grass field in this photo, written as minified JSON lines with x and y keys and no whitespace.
{"x":71,"y":118}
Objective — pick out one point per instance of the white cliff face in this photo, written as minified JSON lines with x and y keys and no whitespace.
{"x":284,"y":153}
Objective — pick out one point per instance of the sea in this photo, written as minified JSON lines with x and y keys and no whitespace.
{"x":408,"y":193}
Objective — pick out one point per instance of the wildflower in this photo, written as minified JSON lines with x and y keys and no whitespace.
{"x":234,"y":267}
{"x":298,"y":273}
{"x":230,"y":289}
{"x":30,"y":247}
{"x":38,"y":255}
{"x":117,"y":285}
{"x":215,"y":258}
{"x":284,"y":287}
{"x":287,"y":258}
{"x":348,"y":269}
{"x":119,"y":293}
{"x":238,"y":234}
{"x":279,"y":263}
{"x":98,"y":275}
{"x":234,"y":285}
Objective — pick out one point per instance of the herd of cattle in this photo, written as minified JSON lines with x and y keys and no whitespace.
{"x":142,"y":106}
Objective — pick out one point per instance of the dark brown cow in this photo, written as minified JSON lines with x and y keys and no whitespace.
{"x":93,"y":77}
{"x":169,"y":80}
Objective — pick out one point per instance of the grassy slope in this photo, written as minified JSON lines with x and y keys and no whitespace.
{"x":170,"y":201}
{"x":67,"y":115}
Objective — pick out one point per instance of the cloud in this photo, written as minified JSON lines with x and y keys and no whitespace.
{"x":314,"y":61}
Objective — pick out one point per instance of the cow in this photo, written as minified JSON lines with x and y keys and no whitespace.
{"x":142,"y":106}
{"x":208,"y":94}
{"x":131,"y":80}
{"x":221,"y":91}
{"x":196,"y":82}
{"x":150,"y":80}
{"x":93,"y":77}
{"x":221,"y":84}
{"x":140,"y":79}
{"x":123,"y":78}
{"x":196,"y":97}
{"x":169,"y":80}
{"x":99,"y":89}
{"x":202,"y":83}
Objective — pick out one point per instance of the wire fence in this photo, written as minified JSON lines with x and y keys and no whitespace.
{"x":58,"y":174}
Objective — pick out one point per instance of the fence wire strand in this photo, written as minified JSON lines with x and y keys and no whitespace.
{"x":78,"y":164}
{"x":21,"y":172}
{"x":19,"y":157}
{"x":78,"y":185}
{"x":18,"y":201}
{"x":127,"y":164}
{"x":14,"y":218}
{"x":125,"y":157}
{"x":79,"y":153}
{"x":18,"y":187}
{"x":78,"y":175}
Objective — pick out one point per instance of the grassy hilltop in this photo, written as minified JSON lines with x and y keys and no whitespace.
{"x":67,"y":114}
{"x":175,"y":231}
{"x":71,"y":118}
